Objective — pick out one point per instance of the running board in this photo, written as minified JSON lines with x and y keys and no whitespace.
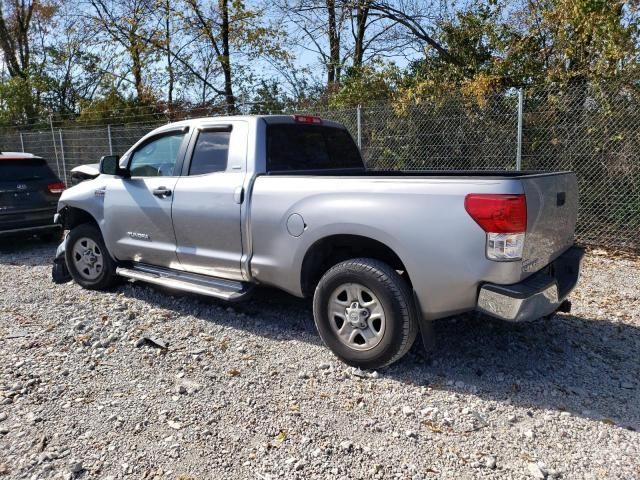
{"x":228,"y":290}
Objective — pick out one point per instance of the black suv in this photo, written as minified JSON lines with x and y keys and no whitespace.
{"x":29,"y":193}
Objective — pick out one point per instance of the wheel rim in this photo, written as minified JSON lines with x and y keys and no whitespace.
{"x":356,"y":316}
{"x":87,"y":258}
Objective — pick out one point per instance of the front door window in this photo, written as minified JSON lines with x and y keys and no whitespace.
{"x":157,"y":157}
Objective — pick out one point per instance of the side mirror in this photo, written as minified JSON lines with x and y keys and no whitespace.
{"x":109,"y":165}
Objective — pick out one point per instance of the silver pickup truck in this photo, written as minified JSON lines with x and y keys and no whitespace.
{"x":218,"y":205}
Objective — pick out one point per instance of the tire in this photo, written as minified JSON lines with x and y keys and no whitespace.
{"x":379,"y":323}
{"x":97,"y":271}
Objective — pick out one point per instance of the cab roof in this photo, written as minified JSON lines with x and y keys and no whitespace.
{"x":269,"y":119}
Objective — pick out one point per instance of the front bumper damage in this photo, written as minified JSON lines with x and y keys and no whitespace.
{"x":59,"y":271}
{"x":539,"y":295}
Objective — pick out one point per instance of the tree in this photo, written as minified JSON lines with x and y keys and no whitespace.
{"x":126,"y":22}
{"x":236,"y":34}
{"x":16,"y":42}
{"x":367,"y":84}
{"x":317,"y":27}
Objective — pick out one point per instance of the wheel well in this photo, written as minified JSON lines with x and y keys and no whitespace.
{"x":76,"y":216}
{"x":332,"y":250}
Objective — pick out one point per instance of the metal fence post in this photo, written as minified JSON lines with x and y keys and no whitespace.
{"x":109,"y":135}
{"x":55,"y":148}
{"x":64,"y":166}
{"x":22,"y":142}
{"x":359,"y":123}
{"x":520,"y":110}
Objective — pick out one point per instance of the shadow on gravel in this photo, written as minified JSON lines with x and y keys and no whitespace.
{"x":27,"y":250}
{"x":587,"y":367}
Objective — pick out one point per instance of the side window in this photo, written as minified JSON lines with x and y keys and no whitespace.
{"x":158,"y":157}
{"x":210,"y":153}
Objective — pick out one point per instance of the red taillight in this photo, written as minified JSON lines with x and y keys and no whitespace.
{"x":307,"y":119}
{"x":57,"y":187}
{"x":498,"y":213}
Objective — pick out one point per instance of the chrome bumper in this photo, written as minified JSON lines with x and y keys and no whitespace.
{"x":539,"y":295}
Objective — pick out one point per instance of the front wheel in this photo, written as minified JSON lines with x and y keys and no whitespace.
{"x":365,"y":314}
{"x":88,"y":261}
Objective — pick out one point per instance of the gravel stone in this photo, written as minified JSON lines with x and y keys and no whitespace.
{"x":229,"y":381}
{"x":535,"y":471}
{"x":490,"y":462}
{"x":75,"y":466}
{"x":174,"y":425}
{"x":407,"y":411}
{"x":346,"y":445}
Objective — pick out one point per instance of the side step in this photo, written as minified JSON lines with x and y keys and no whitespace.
{"x":228,"y":290}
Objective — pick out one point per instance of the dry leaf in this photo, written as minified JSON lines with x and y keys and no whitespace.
{"x":281,"y":437}
{"x":432,"y":426}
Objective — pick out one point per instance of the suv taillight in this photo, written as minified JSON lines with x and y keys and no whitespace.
{"x":56,"y":188}
{"x":504,"y":218}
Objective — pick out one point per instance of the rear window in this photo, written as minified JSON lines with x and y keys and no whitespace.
{"x":21,"y":169}
{"x":310,"y":147}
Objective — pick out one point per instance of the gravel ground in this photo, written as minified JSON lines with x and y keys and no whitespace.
{"x":250,"y":392}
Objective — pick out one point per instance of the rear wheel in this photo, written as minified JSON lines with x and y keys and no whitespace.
{"x":87,"y":258}
{"x":364,"y":312}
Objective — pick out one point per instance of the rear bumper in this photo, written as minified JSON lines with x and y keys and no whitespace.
{"x":537,"y":296}
{"x":25,"y":221}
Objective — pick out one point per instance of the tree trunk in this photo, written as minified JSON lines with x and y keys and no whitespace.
{"x":333,"y":68}
{"x":167,"y":39}
{"x":225,"y":61}
{"x":362,"y":12}
{"x":136,"y":70}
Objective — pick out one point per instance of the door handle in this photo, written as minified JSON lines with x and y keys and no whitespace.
{"x":162,"y":192}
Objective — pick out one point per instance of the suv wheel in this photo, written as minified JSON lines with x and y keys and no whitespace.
{"x":365,"y":314}
{"x":88,"y":260}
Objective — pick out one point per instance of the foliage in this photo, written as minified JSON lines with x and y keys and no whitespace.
{"x":96,"y":55}
{"x":366,"y":84}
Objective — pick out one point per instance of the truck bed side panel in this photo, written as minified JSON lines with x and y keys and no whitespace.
{"x":422,"y":220}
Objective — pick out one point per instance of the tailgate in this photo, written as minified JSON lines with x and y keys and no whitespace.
{"x":25,"y":195}
{"x":552,"y":208}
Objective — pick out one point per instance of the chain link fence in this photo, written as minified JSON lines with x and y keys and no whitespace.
{"x":593,"y":130}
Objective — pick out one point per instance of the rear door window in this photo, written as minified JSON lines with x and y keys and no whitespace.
{"x":310,"y":147}
{"x":211,"y":152}
{"x":24,"y":169}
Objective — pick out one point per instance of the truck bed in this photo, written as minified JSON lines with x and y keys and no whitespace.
{"x":420,"y":215}
{"x":357,"y":172}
